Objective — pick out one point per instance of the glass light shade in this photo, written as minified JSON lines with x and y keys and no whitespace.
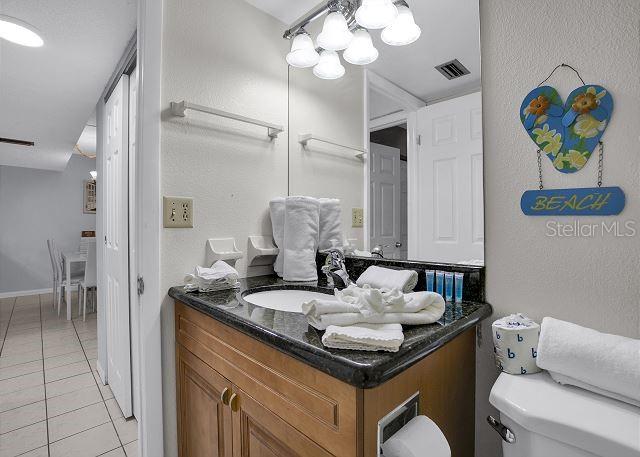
{"x":404,"y":29}
{"x":361,"y":50}
{"x":329,"y":66}
{"x":376,"y":14}
{"x":335,"y":35}
{"x":19,"y":32}
{"x":303,"y":53}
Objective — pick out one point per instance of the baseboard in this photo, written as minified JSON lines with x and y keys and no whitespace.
{"x":23,"y":293}
{"x":101,"y":372}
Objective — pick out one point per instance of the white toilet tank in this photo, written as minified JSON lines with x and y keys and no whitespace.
{"x":551,"y":420}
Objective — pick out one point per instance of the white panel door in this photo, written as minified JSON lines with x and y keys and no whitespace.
{"x":451,"y":205}
{"x":386,"y":189}
{"x":116,"y":182}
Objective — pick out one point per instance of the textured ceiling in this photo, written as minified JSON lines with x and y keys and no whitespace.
{"x":47,"y":94}
{"x":450,"y":30}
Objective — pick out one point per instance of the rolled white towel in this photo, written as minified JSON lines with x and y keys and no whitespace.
{"x":365,"y":337}
{"x":388,"y":278}
{"x":277,"y":210}
{"x":220,"y":276}
{"x":330,"y":225}
{"x":426,"y":316}
{"x":301,"y":222}
{"x":610,"y":363}
{"x":317,"y":308}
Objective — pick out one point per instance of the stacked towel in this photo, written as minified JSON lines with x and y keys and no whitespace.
{"x":365,"y":337}
{"x":277,"y":210}
{"x":355,"y":305}
{"x":330,"y":226}
{"x":220,"y":276}
{"x":387,"y":278}
{"x":301,"y":229}
{"x":606,"y":364}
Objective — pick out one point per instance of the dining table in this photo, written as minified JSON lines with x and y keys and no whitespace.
{"x":69,"y":258}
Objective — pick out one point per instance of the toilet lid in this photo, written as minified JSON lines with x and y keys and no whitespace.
{"x":569,"y":414}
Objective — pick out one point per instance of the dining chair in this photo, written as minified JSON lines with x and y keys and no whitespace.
{"x":55,"y":272}
{"x":75,"y":279}
{"x":90,"y":281}
{"x":85,"y":241}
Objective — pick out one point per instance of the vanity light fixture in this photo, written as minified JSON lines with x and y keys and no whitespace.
{"x":376,"y":14}
{"x":335,"y":35}
{"x":403,"y":30}
{"x":303,"y":53}
{"x":329,"y":66}
{"x":93,"y":174}
{"x":19,"y":32}
{"x":361,"y":50}
{"x":347,"y":27}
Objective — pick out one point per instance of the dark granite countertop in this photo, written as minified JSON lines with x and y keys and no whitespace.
{"x":291,"y":334}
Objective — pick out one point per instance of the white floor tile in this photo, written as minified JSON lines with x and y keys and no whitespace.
{"x":131,"y":449}
{"x":77,"y":421}
{"x":19,"y":370}
{"x":20,"y":398}
{"x":127,"y":429}
{"x":40,"y":452}
{"x":65,"y":359}
{"x":90,"y":443}
{"x":23,"y":440}
{"x":119,"y":452}
{"x":114,"y":409}
{"x":21,"y":417}
{"x":73,"y":400}
{"x":21,"y":383}
{"x":53,"y":351}
{"x":17,"y":348}
{"x":64,"y":386}
{"x":18,"y":359}
{"x":66,"y":371}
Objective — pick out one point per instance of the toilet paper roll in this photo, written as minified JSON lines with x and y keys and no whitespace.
{"x":515,"y":344}
{"x":417,"y":436}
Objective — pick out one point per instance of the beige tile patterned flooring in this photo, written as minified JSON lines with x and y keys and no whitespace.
{"x":52,"y":402}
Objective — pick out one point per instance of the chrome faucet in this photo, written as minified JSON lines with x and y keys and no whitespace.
{"x":378,"y":251}
{"x":336,"y":270}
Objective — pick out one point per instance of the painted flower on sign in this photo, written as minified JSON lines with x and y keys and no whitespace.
{"x":587,"y":126}
{"x":538,"y":106}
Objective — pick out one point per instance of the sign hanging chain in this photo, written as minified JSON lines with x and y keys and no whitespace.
{"x":600,"y":162}
{"x":541,"y":186}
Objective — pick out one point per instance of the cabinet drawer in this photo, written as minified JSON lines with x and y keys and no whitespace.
{"x":321,"y":407}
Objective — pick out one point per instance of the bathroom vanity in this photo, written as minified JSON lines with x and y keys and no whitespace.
{"x":253,"y":381}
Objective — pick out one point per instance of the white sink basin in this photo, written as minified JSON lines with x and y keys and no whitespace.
{"x":288,"y":300}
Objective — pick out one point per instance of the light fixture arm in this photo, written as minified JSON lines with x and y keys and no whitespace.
{"x":346,"y":7}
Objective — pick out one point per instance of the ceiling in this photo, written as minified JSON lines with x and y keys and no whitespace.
{"x":450,"y":30}
{"x":47,"y":94}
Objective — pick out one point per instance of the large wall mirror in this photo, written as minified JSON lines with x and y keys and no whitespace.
{"x":398,"y":140}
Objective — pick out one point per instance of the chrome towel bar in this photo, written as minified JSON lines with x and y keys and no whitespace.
{"x":304,"y":139}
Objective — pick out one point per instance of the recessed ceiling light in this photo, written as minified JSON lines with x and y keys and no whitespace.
{"x":19,"y":32}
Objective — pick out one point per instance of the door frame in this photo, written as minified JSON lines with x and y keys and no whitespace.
{"x":409,"y":116}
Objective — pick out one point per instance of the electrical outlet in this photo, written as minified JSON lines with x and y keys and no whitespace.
{"x":178,"y":212}
{"x":357,"y":217}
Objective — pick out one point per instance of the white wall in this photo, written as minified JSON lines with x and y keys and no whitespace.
{"x":228,"y":55}
{"x":36,"y":205}
{"x":593,"y":282}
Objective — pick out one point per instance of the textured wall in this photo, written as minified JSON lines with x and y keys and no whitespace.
{"x":228,"y":55}
{"x":590,"y":281}
{"x":36,"y":205}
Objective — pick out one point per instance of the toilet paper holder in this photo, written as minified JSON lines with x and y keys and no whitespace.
{"x":396,"y":419}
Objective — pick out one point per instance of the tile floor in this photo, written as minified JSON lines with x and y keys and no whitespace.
{"x":52,"y":402}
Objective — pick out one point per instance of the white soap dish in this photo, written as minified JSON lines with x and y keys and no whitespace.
{"x":261,"y":251}
{"x":222,"y":249}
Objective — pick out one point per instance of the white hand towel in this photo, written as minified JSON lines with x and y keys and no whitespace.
{"x":388,"y":278}
{"x":330,"y":225}
{"x":220,"y":276}
{"x":277,"y":209}
{"x":365,"y":337}
{"x":426,"y":316}
{"x":607,"y":362}
{"x":301,"y":225}
{"x":317,"y":308}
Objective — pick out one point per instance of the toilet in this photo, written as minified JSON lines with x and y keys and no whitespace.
{"x":542,"y":418}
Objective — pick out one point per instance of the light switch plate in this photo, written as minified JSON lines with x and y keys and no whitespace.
{"x":357,"y":217}
{"x":177,"y":212}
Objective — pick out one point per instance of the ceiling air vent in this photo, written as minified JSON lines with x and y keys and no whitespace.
{"x":18,"y":142}
{"x":452,"y":69}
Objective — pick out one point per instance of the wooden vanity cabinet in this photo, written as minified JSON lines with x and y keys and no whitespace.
{"x":239,"y":397}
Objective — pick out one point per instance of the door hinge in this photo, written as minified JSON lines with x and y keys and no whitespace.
{"x":419,"y":140}
{"x":140,"y":285}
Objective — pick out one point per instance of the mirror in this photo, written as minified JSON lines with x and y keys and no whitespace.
{"x":398,"y":141}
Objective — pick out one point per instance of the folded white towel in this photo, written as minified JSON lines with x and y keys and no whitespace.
{"x":277,"y":210}
{"x":220,"y":276}
{"x":301,"y":222}
{"x":354,"y":306}
{"x":330,"y":225}
{"x":569,"y":381}
{"x":608,"y":362}
{"x":388,"y":278}
{"x":364,"y":337}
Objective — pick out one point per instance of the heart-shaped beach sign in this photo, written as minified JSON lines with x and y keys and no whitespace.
{"x":567,"y":135}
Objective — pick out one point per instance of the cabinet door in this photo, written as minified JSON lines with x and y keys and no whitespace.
{"x":257,"y":432}
{"x":204,"y":422}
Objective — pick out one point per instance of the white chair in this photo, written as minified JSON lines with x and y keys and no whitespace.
{"x":55,"y":271}
{"x":90,"y":281}
{"x":59,"y":265}
{"x":85,"y":242}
